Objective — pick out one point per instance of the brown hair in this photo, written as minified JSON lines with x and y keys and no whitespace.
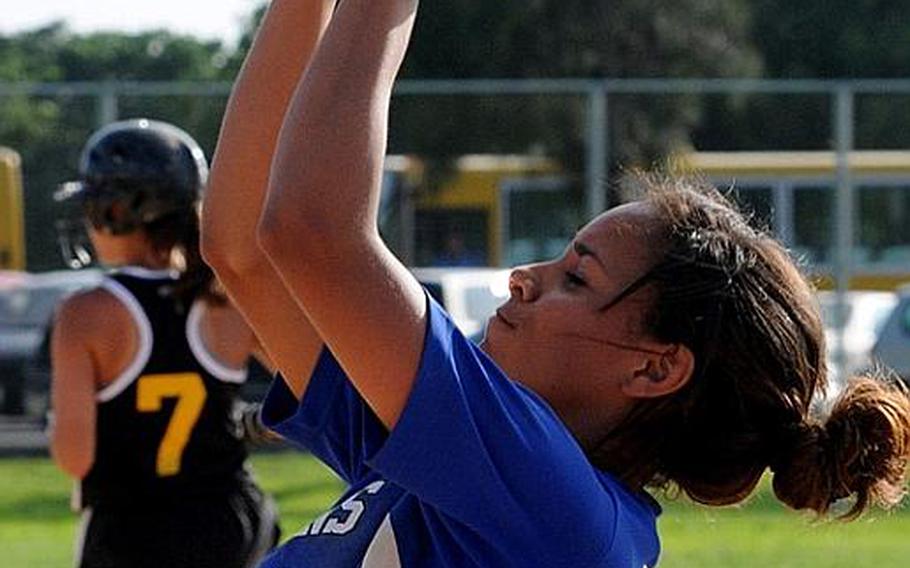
{"x":734,"y":296}
{"x":177,"y":235}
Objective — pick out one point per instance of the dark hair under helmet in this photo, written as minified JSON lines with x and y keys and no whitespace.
{"x":133,"y":172}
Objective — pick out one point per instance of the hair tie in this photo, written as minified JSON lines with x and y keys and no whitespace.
{"x":793,"y":438}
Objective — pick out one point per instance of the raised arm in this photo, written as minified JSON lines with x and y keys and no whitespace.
{"x":236,"y":190}
{"x":320,"y":223}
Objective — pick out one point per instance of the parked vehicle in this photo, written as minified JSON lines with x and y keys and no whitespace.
{"x":470,"y":295}
{"x":864,"y":318}
{"x":493,"y":209}
{"x":27,"y":303}
{"x":795,"y":192}
{"x":892,"y":349}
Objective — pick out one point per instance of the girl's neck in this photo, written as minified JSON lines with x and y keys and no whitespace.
{"x":133,"y":249}
{"x":148,"y":259}
{"x":149,"y":262}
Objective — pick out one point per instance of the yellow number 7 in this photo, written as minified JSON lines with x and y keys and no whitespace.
{"x":189,"y":390}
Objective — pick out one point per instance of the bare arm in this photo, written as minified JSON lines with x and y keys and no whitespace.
{"x":239,"y":178}
{"x":72,"y":435}
{"x":319,"y":228}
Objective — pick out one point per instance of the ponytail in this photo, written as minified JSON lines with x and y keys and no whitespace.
{"x":860,"y":452}
{"x":178,"y":235}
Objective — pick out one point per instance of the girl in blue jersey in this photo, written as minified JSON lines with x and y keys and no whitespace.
{"x":671,"y":344}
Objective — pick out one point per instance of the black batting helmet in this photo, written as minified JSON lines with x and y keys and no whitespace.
{"x":134,"y":172}
{"x":131,"y":174}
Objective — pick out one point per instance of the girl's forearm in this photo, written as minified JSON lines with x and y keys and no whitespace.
{"x":283,"y":48}
{"x":327,"y":170}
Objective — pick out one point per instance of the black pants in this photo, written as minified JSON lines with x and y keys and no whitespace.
{"x":232,"y":531}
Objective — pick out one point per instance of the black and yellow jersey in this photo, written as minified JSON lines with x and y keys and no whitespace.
{"x":166,"y":427}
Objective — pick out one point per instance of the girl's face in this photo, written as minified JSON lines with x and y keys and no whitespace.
{"x":555,"y":336}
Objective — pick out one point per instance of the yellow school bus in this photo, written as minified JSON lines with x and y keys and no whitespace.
{"x":502,"y":210}
{"x":12,"y":230}
{"x":794,"y":193}
{"x":490,"y":210}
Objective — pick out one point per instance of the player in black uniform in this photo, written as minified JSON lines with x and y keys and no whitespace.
{"x":147,"y":368}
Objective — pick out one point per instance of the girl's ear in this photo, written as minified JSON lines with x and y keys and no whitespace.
{"x":663,"y":374}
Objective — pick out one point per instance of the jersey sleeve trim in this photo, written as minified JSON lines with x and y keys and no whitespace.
{"x":131,"y":373}
{"x":296,"y":419}
{"x":332,"y":421}
{"x":85,"y":519}
{"x":205,"y":357}
{"x":146,"y":273}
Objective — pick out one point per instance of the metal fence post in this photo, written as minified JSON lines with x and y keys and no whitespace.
{"x":597,"y":160}
{"x":843,"y":131}
{"x":107,"y":104}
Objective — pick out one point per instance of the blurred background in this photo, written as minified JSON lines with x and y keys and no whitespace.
{"x":512,"y":123}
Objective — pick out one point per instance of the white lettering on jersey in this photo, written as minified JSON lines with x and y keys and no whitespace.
{"x":334,"y":526}
{"x":316,"y":525}
{"x":333,"y":523}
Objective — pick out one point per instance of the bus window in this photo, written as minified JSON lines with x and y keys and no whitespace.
{"x":451,"y":237}
{"x":540,"y":215}
{"x":813,"y":220}
{"x":456,"y":219}
{"x":804,"y":197}
{"x":883,"y":226}
{"x":757,"y":202}
{"x":396,"y":215}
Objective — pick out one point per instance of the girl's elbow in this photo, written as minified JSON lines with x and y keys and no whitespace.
{"x":230,"y":258}
{"x":212,"y":249}
{"x":269,"y":238}
{"x":74,"y":464}
{"x":278,"y":235}
{"x":289,"y":231}
{"x":218,"y":242}
{"x":78,"y":469}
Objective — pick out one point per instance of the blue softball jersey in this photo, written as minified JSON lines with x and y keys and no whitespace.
{"x":478,"y":471}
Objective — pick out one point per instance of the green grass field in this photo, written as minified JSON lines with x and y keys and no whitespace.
{"x":37,"y":528}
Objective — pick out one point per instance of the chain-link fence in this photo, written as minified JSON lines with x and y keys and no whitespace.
{"x":501,"y":171}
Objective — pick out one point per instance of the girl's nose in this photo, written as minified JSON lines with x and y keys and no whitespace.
{"x":523,"y":285}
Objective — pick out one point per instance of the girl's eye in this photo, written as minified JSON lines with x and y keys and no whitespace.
{"x":574,"y":280}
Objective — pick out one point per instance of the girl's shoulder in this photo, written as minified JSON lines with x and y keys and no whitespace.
{"x":92,"y":310}
{"x":224,"y":332}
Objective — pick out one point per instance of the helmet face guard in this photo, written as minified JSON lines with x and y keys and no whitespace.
{"x":74,"y":243}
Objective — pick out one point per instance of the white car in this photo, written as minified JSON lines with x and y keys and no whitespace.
{"x":470,"y":295}
{"x":865,"y":315}
{"x":892,"y":349}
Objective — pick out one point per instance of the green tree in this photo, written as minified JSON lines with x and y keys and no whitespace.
{"x":834,"y":38}
{"x":575,"y":39}
{"x":463,"y":39}
{"x":50,"y":131}
{"x":471,"y":39}
{"x":829,"y":39}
